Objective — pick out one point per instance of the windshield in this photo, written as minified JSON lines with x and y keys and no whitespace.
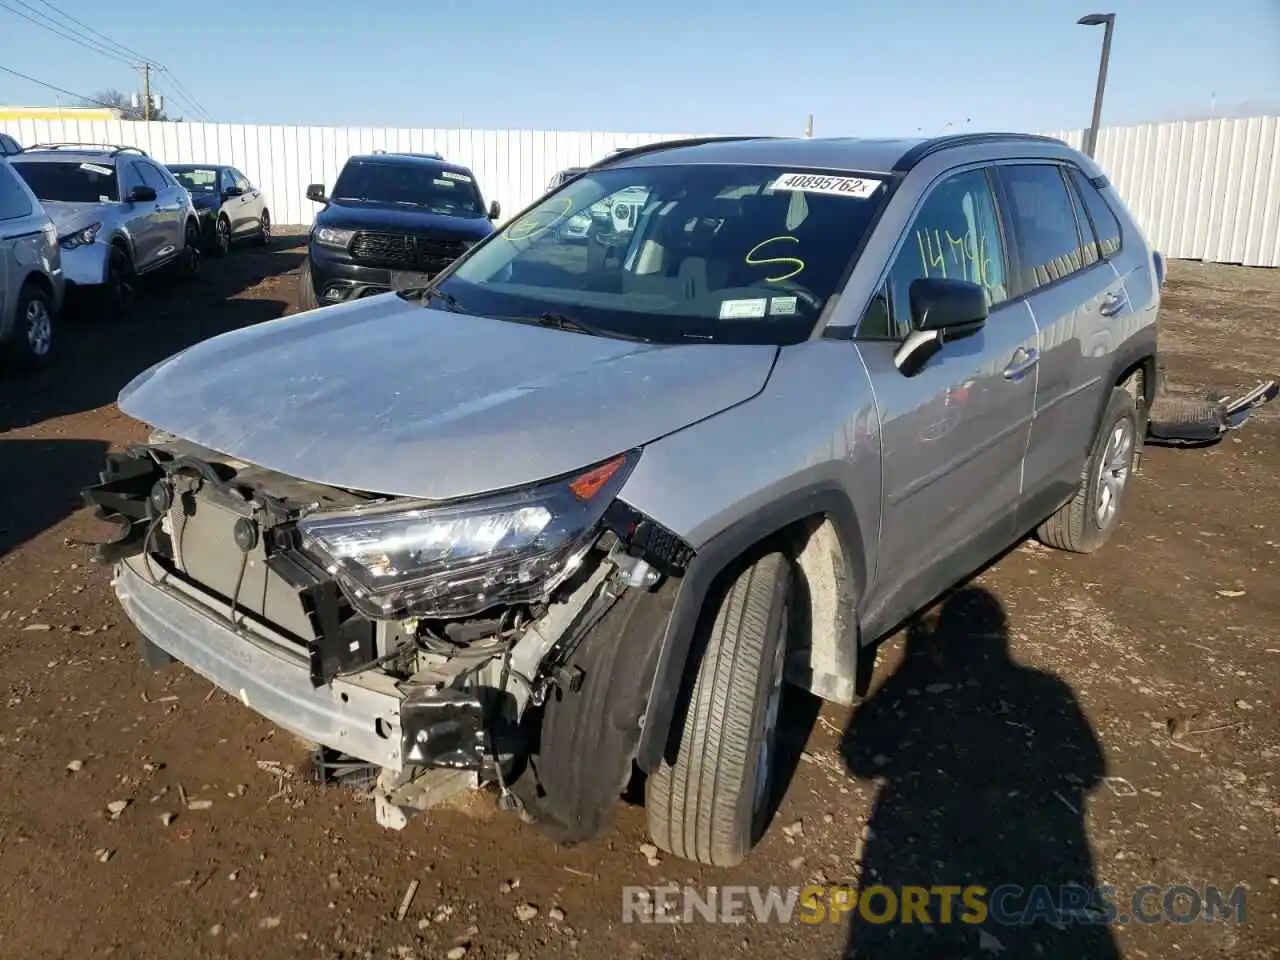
{"x":742,"y":254}
{"x":70,"y":182}
{"x":416,"y":184}
{"x":196,"y":179}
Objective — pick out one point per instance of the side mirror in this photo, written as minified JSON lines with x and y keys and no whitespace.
{"x":142,"y":194}
{"x":232,"y":192}
{"x":941,"y":311}
{"x":495,"y":210}
{"x":315,"y":192}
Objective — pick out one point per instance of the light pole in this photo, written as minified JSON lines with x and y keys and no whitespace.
{"x":1108,"y":20}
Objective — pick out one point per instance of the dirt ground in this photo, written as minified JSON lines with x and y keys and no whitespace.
{"x":1113,"y":719}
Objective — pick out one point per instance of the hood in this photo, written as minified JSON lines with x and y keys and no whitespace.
{"x":70,"y":217}
{"x":386,"y":396}
{"x":403,"y":218}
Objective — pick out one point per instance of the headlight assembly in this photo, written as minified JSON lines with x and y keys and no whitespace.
{"x":80,"y":238}
{"x":457,"y":559}
{"x":335,"y":237}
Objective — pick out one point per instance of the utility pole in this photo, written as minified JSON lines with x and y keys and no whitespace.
{"x":146,"y":91}
{"x":1108,"y":22}
{"x":808,"y":127}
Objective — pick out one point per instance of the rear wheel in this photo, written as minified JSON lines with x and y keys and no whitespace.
{"x":189,"y":259}
{"x":1085,"y":523}
{"x":31,"y":344}
{"x":712,"y":804}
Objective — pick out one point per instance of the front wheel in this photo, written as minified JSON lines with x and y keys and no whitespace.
{"x":221,"y":236}
{"x":712,"y":804}
{"x":119,"y":287}
{"x":1085,"y":523}
{"x":264,"y":230}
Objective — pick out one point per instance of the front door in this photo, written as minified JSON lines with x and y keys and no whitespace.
{"x":142,"y":218}
{"x":954,"y":435}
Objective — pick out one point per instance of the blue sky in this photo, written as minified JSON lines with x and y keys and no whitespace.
{"x":862,"y":68}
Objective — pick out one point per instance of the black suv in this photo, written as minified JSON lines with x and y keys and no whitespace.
{"x":394,"y":221}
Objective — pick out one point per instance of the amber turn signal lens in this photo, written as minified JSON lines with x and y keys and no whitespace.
{"x":588,"y":485}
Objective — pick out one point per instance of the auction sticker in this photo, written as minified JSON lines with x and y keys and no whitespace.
{"x":860,"y":187}
{"x":450,"y":175}
{"x":95,"y":168}
{"x":742,"y":309}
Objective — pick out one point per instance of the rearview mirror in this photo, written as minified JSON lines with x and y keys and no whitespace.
{"x":232,"y":192}
{"x":941,"y":311}
{"x":316,"y":192}
{"x":142,"y":194}
{"x":495,"y":210}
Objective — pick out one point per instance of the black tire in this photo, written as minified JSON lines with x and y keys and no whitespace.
{"x":31,"y":342}
{"x":712,"y":804}
{"x":119,"y":291}
{"x":221,"y":245}
{"x":589,"y":735}
{"x":1086,"y":523}
{"x":263,"y":237}
{"x":306,"y":291}
{"x":189,"y":259}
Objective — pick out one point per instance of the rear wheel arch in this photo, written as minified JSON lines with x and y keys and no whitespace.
{"x":816,"y":526}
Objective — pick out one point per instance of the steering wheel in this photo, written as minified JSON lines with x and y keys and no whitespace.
{"x":802,"y":293}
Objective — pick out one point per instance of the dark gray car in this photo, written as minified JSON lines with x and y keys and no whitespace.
{"x":572,"y":510}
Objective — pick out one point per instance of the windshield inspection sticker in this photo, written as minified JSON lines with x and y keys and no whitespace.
{"x":782,"y":306}
{"x":859,"y":187}
{"x":450,"y":175}
{"x":742,"y":309}
{"x":94,"y":168}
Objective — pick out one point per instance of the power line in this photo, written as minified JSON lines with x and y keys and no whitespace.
{"x":87,"y":44}
{"x":68,"y":93}
{"x":97,"y":33}
{"x":184,"y":92}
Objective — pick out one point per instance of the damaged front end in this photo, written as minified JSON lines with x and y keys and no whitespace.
{"x":419,"y":637}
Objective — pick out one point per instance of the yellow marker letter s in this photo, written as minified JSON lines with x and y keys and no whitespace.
{"x":752,"y":261}
{"x":812,"y":909}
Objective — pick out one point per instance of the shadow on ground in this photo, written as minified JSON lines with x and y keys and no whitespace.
{"x":41,"y":480}
{"x":983,"y":766}
{"x":97,"y":357}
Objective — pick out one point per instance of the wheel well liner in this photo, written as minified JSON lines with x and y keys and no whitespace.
{"x":703,"y":575}
{"x":1139,"y":357}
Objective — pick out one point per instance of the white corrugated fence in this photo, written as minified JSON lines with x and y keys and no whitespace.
{"x":1205,"y":190}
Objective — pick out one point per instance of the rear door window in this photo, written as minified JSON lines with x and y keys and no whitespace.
{"x":1049,"y":244}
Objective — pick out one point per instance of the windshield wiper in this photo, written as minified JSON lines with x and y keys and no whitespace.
{"x":559,"y":321}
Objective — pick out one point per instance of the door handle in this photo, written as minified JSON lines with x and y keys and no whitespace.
{"x":1113,"y":304}
{"x":1023,"y":360}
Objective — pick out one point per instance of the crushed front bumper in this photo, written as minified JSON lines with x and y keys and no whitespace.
{"x":359,"y":716}
{"x":86,"y":265}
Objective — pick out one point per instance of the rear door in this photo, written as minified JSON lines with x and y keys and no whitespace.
{"x":1073,"y":294}
{"x":953,"y":436}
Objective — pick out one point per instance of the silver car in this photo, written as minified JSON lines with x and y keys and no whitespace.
{"x":31,"y":281}
{"x":565,"y":512}
{"x":118,"y":214}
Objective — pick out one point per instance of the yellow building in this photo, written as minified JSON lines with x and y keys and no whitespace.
{"x":60,"y":113}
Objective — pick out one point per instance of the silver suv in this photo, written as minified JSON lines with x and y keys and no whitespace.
{"x":31,"y":282}
{"x":118,"y":214}
{"x":569,"y":511}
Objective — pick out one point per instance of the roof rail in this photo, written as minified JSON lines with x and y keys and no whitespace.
{"x":110,"y":148}
{"x":625,"y":153}
{"x":405,"y":153}
{"x":937,"y":144}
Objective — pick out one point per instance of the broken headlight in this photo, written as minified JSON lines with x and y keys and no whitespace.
{"x":457,"y":559}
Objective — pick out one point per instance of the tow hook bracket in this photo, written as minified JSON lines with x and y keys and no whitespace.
{"x":442,"y":728}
